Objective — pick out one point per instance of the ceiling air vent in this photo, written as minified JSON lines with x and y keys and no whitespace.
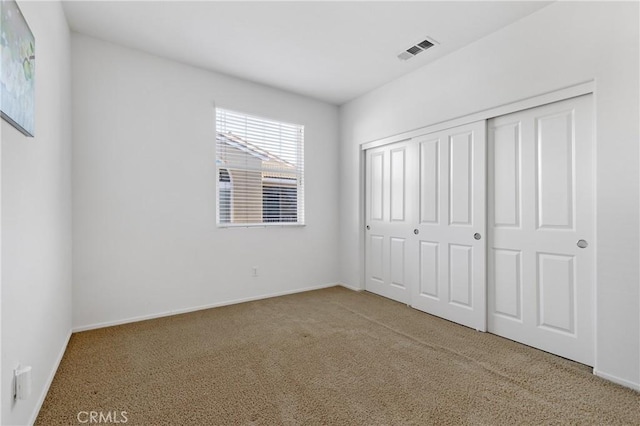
{"x":414,"y":50}
{"x":424,"y":45}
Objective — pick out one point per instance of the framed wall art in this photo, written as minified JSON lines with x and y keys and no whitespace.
{"x":17,"y":69}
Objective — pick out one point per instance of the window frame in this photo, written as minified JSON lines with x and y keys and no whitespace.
{"x":299,"y":186}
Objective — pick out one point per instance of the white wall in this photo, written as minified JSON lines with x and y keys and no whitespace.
{"x":145,"y":241}
{"x":559,"y":46}
{"x":36,"y":221}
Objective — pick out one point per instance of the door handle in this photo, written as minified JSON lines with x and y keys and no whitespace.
{"x":582,"y":244}
{"x":416,"y":231}
{"x":477,"y":236}
{"x":368,"y":227}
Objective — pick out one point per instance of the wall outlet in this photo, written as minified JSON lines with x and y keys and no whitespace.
{"x":254,"y":271}
{"x":22,"y":377}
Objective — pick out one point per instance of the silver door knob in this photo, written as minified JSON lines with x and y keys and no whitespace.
{"x":416,"y":231}
{"x":368,"y":227}
{"x":582,"y":244}
{"x":477,"y":236}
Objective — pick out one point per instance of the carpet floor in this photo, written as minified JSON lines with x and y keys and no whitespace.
{"x":330,"y":357}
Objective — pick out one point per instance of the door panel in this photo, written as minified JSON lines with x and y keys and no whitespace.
{"x":390,"y":213}
{"x":398,"y":262}
{"x":506,"y":169}
{"x":507,"y":265}
{"x":451,"y":263}
{"x":460,"y":281}
{"x":429,"y":269}
{"x":376,"y":183}
{"x":398,"y":184}
{"x":554,"y":166}
{"x":460,"y":179}
{"x":376,"y":256}
{"x":540,"y":284}
{"x":429,"y":180}
{"x":556,"y":305}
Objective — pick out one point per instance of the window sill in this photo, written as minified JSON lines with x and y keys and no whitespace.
{"x":260,"y":225}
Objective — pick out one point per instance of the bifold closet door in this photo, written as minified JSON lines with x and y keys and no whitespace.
{"x":390,"y":214}
{"x":541,"y":228}
{"x":450,"y":232}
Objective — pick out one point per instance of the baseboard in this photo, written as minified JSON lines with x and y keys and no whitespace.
{"x":350,"y":287}
{"x":45,"y":389}
{"x":199,"y":308}
{"x":618,"y":380}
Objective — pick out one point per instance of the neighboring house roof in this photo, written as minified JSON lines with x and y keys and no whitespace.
{"x":280,"y":168}
{"x":251,"y":149}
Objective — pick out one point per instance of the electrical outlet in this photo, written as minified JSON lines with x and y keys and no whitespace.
{"x":22,"y":382}
{"x":254,"y":271}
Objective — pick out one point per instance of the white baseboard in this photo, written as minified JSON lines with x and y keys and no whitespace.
{"x":618,"y":380}
{"x":198,"y":308}
{"x":52,"y":374}
{"x":350,"y":287}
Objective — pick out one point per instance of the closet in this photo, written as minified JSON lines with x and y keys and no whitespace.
{"x":490,"y":224}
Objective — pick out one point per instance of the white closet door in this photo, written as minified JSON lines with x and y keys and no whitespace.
{"x":541,"y":190}
{"x":390,"y":214}
{"x":451,"y":250}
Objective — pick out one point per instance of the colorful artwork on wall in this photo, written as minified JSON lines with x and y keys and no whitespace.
{"x":17,"y":68}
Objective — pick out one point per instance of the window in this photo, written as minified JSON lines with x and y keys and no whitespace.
{"x":259,"y":169}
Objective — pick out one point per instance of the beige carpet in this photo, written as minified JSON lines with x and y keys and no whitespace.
{"x":331,"y":357}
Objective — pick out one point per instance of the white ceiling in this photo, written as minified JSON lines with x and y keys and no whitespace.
{"x":332,"y":51}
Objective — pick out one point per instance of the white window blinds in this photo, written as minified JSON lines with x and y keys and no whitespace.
{"x":259,"y":169}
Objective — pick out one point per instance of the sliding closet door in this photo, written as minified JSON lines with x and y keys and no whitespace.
{"x":541,"y":256}
{"x":450,"y":230}
{"x":390,"y":214}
